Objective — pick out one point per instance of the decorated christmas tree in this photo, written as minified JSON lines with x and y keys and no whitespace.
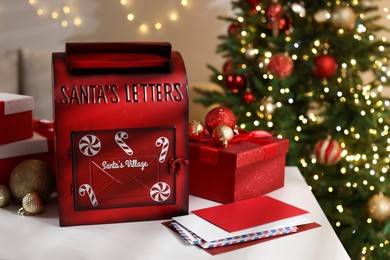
{"x":313,"y":72}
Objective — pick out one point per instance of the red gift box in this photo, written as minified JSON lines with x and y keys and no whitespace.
{"x":121,"y":113}
{"x":15,"y":117}
{"x":40,"y":147}
{"x":243,"y":170}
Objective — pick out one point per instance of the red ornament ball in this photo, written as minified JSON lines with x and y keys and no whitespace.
{"x":235,"y":82}
{"x":235,"y":29}
{"x":281,"y":65}
{"x":326,"y":66}
{"x":219,"y":116}
{"x":284,"y":25}
{"x":275,"y":12}
{"x":253,"y":3}
{"x":249,"y":97}
{"x":228,"y":67}
{"x":196,"y":130}
{"x":328,"y":151}
{"x":222,"y":135}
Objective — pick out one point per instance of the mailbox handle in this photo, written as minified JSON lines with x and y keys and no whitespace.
{"x":118,"y":55}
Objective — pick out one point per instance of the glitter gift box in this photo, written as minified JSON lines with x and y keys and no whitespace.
{"x":121,"y":113}
{"x":240,"y":171}
{"x":40,"y":147}
{"x":15,"y":117}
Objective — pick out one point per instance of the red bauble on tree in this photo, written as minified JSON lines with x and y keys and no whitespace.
{"x":328,"y":151}
{"x":253,"y":3}
{"x":235,"y":82}
{"x":235,"y":29}
{"x":326,"y":66}
{"x":249,"y":97}
{"x":219,"y":116}
{"x":274,"y":14}
{"x":228,"y":67}
{"x":285,"y":24}
{"x":281,"y":65}
{"x":232,"y":81}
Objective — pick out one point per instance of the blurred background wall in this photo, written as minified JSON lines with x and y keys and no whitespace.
{"x":191,"y":26}
{"x":39,"y":27}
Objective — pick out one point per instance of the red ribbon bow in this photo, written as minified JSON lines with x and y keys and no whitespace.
{"x":243,"y":136}
{"x":248,"y":136}
{"x":43,"y":128}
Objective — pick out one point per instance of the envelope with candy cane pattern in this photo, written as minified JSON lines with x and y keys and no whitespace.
{"x":123,"y":168}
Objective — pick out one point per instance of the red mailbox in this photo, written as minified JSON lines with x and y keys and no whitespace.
{"x":121,"y":116}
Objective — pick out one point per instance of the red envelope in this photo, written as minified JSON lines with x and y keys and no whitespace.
{"x":248,"y":213}
{"x":112,"y":186}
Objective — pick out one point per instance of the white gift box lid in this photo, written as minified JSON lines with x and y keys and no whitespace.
{"x":15,"y":103}
{"x":34,"y":145}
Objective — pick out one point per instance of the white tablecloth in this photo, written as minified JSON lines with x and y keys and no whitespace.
{"x":40,"y":237}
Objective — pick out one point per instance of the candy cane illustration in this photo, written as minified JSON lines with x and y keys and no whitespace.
{"x":160,"y":191}
{"x":164,"y":142}
{"x":119,"y":140}
{"x":87,"y":189}
{"x":89,"y":145}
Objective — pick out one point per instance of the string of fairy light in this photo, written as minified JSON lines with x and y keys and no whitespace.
{"x":144,"y":25}
{"x":63,"y":14}
{"x":66,"y":16}
{"x":267,"y":106}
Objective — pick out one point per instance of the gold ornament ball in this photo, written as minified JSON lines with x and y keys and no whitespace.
{"x":267,"y":106}
{"x":32,"y":204}
{"x":378,"y":207}
{"x":222,"y":135}
{"x":322,"y":16}
{"x":31,"y":176}
{"x":196,"y":130}
{"x":343,"y":17}
{"x":5,"y":195}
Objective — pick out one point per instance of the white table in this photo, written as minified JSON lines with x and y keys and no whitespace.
{"x":40,"y":237}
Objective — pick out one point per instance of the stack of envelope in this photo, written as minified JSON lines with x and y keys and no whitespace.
{"x":239,"y":224}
